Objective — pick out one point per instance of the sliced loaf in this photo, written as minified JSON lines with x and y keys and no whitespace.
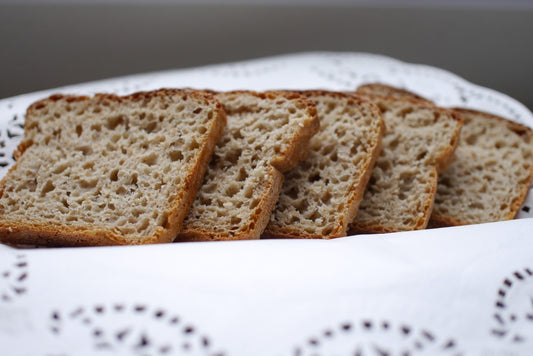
{"x":490,"y":174}
{"x":418,"y":143}
{"x":108,"y":170}
{"x":320,"y":196}
{"x":268,"y":133}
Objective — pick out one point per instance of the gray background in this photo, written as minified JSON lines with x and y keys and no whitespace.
{"x":46,"y":44}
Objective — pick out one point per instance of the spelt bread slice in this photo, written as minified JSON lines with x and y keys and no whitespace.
{"x":268,"y":133}
{"x":320,"y":196}
{"x":490,"y":174}
{"x":386,"y":90}
{"x":108,"y":170}
{"x":418,"y":143}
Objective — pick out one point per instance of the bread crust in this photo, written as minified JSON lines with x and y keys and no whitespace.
{"x":446,"y":220}
{"x":356,"y":191}
{"x":295,"y":151}
{"x":28,"y":233}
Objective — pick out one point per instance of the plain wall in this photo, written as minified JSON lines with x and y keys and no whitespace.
{"x":45,"y":46}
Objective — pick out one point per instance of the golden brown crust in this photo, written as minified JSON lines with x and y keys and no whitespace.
{"x":28,"y":233}
{"x":17,"y":233}
{"x":357,"y":190}
{"x":521,"y":130}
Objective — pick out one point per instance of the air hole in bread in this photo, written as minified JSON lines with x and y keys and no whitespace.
{"x":88,"y":184}
{"x":242,"y":175}
{"x":60,"y":168}
{"x":254,"y":203}
{"x":326,"y":197}
{"x":301,"y":206}
{"x":113,"y":176}
{"x":121,"y":190}
{"x":150,"y":127}
{"x":232,"y":190}
{"x":150,"y":159}
{"x":134,"y":179}
{"x":292,"y":193}
{"x":194,"y":145}
{"x":314,"y":178}
{"x":175,"y":155}
{"x":114,"y":121}
{"x":85,"y":150}
{"x":47,"y":188}
{"x":422,"y":155}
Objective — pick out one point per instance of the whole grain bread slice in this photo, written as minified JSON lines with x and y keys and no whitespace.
{"x":267,"y":134}
{"x":418,"y":143}
{"x":321,"y":195}
{"x":491,"y":170}
{"x":490,"y":174}
{"x":108,"y":170}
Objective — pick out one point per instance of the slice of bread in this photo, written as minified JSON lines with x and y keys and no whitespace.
{"x":490,"y":174}
{"x":108,"y":170}
{"x":320,"y":196}
{"x":491,"y":170}
{"x":387,"y":90}
{"x":418,"y":143}
{"x":268,"y":133}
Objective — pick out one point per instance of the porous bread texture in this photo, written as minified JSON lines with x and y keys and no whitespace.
{"x":320,"y":196}
{"x":108,"y":170}
{"x":490,"y":174}
{"x":387,"y":90}
{"x":267,"y":134}
{"x":418,"y":143}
